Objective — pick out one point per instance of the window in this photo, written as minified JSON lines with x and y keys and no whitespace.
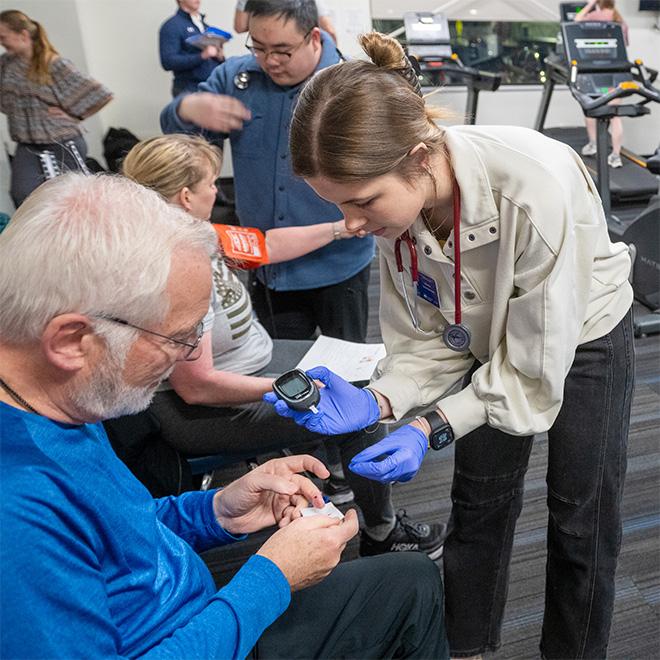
{"x":514,"y":50}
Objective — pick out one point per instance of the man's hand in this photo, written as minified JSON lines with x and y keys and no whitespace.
{"x":211,"y":52}
{"x":309,"y":548}
{"x":215,"y":112}
{"x":273,"y":493}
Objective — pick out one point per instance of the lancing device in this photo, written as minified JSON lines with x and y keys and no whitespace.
{"x":297,"y":390}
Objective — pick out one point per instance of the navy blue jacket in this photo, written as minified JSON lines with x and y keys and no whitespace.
{"x":268,"y":194}
{"x":183,"y":60}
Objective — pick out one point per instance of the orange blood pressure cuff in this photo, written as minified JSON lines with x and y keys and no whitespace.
{"x":242,"y":247}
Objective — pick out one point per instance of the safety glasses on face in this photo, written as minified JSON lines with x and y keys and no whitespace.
{"x":188,"y":349}
{"x":281,"y":56}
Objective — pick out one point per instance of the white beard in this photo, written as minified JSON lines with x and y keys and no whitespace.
{"x":106,"y":395}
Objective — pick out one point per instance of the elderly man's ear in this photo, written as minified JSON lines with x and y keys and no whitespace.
{"x":68,"y":341}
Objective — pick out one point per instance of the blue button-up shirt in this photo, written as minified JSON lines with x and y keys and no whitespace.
{"x":267,"y":193}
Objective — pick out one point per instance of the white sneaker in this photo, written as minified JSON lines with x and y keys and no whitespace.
{"x":614,"y":160}
{"x":589,"y":149}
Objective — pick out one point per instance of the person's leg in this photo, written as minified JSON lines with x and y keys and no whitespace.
{"x":26,"y":172}
{"x":284,"y":314}
{"x":586,"y":471}
{"x":616,"y":131}
{"x":342,"y":310}
{"x":381,"y":607}
{"x":487,"y":493}
{"x":590,"y":123}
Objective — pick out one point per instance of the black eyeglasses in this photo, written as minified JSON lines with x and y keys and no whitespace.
{"x":190,"y":346}
{"x":278,"y":55}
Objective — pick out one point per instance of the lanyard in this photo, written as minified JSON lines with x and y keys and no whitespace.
{"x":456,"y":335}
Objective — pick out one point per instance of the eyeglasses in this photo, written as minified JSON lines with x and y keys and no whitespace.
{"x":278,"y":55}
{"x":190,"y":346}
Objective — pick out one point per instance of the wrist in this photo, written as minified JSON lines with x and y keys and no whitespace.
{"x":377,"y":410}
{"x":336,"y":232}
{"x":421,"y":424}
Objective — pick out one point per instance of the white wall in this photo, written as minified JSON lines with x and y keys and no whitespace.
{"x":116,"y":41}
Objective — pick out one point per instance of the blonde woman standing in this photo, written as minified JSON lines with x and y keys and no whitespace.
{"x":45,"y":98}
{"x":505,"y":308}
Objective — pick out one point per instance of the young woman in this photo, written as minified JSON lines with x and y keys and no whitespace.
{"x":45,"y":98}
{"x":503,"y":304}
{"x":604,"y":10}
{"x":212,"y":405}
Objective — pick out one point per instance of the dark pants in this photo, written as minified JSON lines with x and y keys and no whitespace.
{"x":388,"y":606}
{"x":340,"y":310}
{"x":255,"y":428}
{"x":586,"y":470}
{"x":27,"y":172}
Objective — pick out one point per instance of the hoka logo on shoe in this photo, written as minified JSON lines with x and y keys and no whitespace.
{"x":404,"y":547}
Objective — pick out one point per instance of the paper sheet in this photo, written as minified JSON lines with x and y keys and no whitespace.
{"x":351,"y":361}
{"x":329,"y":510}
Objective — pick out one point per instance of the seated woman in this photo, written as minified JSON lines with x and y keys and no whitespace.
{"x":213,"y":404}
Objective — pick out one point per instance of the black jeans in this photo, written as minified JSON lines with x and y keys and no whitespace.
{"x":340,"y":310}
{"x":586,"y":470}
{"x":26,"y":168}
{"x":388,"y":606}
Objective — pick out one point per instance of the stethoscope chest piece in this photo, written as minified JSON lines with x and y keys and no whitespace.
{"x":457,"y":337}
{"x":242,"y":80}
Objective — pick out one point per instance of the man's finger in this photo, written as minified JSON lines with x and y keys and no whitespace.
{"x":260,"y":481}
{"x":350,"y":525}
{"x":308,"y":490}
{"x":301,"y":463}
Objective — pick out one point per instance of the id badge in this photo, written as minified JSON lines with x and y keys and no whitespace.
{"x":427,"y":289}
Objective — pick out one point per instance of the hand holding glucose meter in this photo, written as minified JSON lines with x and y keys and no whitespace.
{"x":297,"y":390}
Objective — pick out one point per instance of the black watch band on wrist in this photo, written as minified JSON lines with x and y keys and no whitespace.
{"x":442,"y":435}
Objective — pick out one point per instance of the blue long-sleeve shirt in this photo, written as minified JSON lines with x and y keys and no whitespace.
{"x":185,"y":61}
{"x":93,"y":566}
{"x":268,"y":194}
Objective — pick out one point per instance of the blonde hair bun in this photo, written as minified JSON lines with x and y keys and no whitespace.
{"x":385,"y":52}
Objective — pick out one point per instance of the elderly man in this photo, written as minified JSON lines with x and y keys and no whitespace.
{"x":250,"y":100}
{"x":104,"y":288}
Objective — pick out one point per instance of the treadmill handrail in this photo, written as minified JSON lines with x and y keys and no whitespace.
{"x":622,"y":90}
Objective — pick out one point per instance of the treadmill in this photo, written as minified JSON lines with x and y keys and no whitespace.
{"x":428,"y":42}
{"x":605,"y":48}
{"x":600,"y":74}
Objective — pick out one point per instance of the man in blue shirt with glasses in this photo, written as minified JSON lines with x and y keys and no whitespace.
{"x":250,"y":100}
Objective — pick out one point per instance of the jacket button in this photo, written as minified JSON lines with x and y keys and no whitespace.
{"x":280,"y":188}
{"x":470,"y":295}
{"x":493,"y":230}
{"x":280,"y":216}
{"x":471,"y":237}
{"x":427,"y":249}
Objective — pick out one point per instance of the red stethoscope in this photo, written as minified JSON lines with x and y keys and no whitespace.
{"x":456,"y":335}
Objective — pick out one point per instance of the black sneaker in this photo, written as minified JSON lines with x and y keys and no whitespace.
{"x":337,"y":490}
{"x":407,"y":536}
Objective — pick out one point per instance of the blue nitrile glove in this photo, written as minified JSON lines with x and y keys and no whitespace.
{"x":343,"y":408}
{"x":404,"y":451}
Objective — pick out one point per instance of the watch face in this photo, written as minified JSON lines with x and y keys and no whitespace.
{"x":441,"y":438}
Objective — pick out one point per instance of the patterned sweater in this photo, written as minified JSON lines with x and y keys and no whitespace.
{"x":26,"y":102}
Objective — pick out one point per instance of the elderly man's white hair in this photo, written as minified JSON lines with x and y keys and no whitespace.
{"x":92,"y":245}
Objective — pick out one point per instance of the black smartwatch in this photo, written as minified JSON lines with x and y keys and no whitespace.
{"x":442,"y":435}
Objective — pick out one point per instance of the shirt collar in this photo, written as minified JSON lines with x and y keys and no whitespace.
{"x":477,"y":202}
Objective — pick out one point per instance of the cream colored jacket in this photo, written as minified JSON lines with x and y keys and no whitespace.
{"x":539,"y":278}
